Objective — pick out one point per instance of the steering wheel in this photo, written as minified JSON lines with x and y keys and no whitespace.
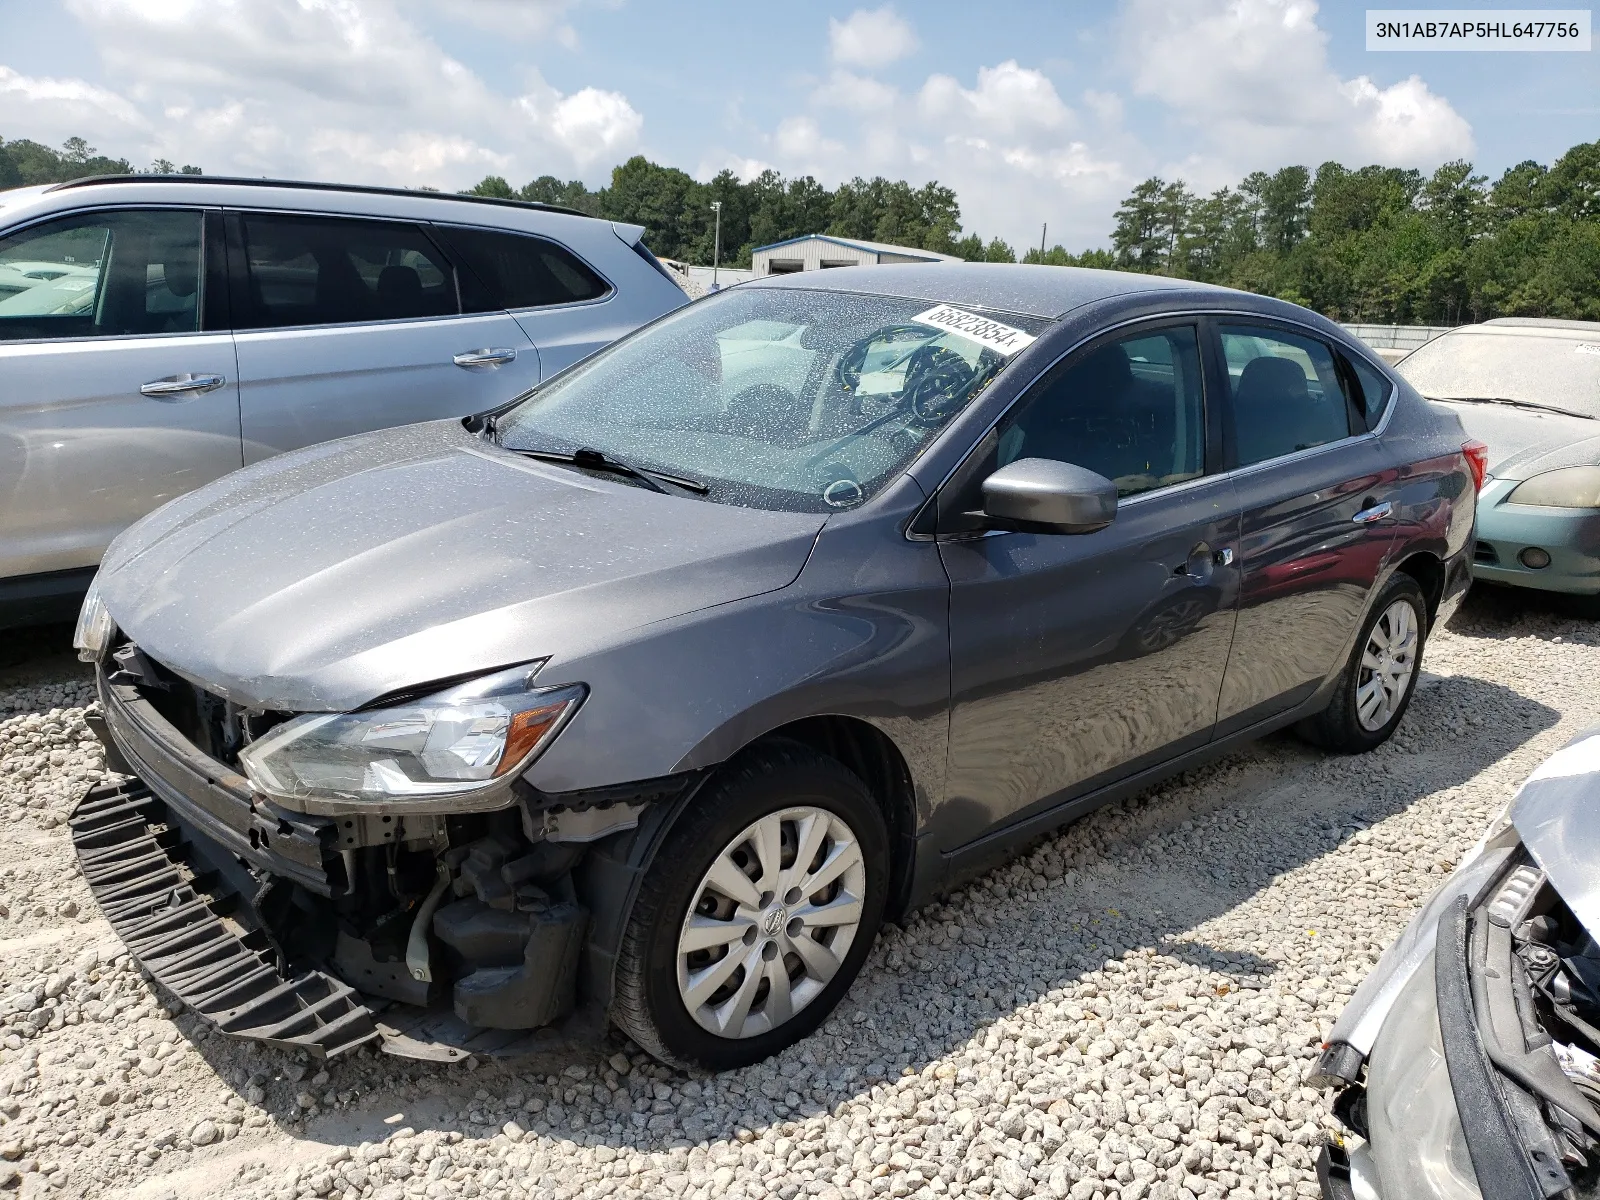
{"x":848,"y":372}
{"x":936,"y":378}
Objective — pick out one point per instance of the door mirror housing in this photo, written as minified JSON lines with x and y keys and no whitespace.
{"x":1042,"y":495}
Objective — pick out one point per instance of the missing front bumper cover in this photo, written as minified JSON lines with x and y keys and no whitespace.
{"x":194,"y":934}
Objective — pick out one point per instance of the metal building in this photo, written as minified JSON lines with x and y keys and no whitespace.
{"x":816,"y":251}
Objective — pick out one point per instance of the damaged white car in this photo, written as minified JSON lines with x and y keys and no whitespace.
{"x":1468,"y":1063}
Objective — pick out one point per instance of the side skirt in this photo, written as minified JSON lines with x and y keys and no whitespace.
{"x":938,"y":871}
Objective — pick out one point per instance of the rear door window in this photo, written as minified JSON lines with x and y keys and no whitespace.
{"x":518,"y":270}
{"x":102,"y":274}
{"x":1286,"y":392}
{"x":335,"y":271}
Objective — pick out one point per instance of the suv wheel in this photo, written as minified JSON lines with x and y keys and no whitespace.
{"x":757,"y":912}
{"x":1381,"y":676}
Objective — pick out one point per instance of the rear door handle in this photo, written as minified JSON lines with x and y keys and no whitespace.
{"x":1376,"y":513}
{"x":485,"y":357}
{"x":181,"y":387}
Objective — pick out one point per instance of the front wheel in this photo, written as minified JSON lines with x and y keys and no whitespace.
{"x":1378,"y":682}
{"x":757,"y":912}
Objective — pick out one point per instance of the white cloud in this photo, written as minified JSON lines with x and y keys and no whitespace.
{"x":1252,"y":79}
{"x":1004,"y":143}
{"x":844,"y":89}
{"x":61,"y":108}
{"x":1107,"y":106}
{"x":1007,"y":100}
{"x":870,"y":38}
{"x":347,"y":89}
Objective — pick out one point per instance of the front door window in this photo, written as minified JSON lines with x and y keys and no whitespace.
{"x":116,"y":274}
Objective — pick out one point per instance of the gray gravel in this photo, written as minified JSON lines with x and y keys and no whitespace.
{"x":1128,"y":1011}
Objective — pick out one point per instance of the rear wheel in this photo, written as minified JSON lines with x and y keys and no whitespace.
{"x":757,"y":912}
{"x":1378,"y":682}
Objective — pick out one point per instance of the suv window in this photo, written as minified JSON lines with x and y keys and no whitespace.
{"x":1286,"y":392}
{"x":1132,"y":409}
{"x":103,"y":274}
{"x":518,"y":270}
{"x":332,"y":271}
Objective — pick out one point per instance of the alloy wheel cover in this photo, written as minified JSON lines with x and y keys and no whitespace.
{"x":771,"y":922}
{"x":1388,"y":662}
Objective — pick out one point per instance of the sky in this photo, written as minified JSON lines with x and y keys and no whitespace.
{"x":1035,"y":113}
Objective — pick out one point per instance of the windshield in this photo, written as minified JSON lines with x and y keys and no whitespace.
{"x":800,"y":400}
{"x":1556,"y":368}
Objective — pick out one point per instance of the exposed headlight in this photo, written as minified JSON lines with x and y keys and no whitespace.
{"x":417,"y":756}
{"x":1567,"y":487}
{"x":1417,"y":1140}
{"x":93,"y":633}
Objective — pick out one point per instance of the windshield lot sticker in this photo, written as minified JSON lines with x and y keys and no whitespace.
{"x":1002,"y":339}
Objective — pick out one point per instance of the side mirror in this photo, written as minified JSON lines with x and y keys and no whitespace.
{"x":1043,"y":495}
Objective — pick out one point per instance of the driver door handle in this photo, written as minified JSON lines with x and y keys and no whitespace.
{"x":1376,"y":513}
{"x":181,"y":387}
{"x":485,"y":358}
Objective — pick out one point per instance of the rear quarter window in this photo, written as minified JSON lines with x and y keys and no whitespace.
{"x":518,"y":270}
{"x":1376,"y":391}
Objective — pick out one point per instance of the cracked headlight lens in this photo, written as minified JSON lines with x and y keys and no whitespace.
{"x":455,"y":743}
{"x":93,"y":631}
{"x":1417,"y":1140}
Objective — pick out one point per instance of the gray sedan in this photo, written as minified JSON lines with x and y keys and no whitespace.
{"x":660,"y":688}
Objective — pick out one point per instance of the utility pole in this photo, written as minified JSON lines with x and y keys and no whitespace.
{"x":1043,"y":229}
{"x":716,"y":243}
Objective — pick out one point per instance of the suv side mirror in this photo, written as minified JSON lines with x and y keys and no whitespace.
{"x":1046,"y":496}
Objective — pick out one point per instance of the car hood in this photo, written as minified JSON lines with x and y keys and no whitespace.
{"x":1523,"y":443}
{"x":323,"y":579}
{"x":1557,"y":816}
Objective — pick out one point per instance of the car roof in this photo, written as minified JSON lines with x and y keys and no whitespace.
{"x":1028,"y":289}
{"x":1532,"y":325}
{"x":306,"y":185}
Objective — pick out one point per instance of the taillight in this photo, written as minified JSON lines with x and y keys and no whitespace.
{"x":1477,"y":461}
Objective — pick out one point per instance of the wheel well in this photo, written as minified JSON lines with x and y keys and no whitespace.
{"x":869,"y":753}
{"x":1428,"y":571}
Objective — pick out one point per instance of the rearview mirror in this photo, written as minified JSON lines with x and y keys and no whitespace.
{"x":1046,"y":496}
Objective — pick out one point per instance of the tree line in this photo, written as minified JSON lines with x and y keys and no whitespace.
{"x":676,"y":210}
{"x":1379,"y":244}
{"x":24,"y":163}
{"x":1373,"y":244}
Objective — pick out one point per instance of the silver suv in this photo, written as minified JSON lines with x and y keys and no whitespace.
{"x":157,"y":332}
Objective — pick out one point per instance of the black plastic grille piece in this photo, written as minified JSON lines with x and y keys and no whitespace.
{"x":178,"y":930}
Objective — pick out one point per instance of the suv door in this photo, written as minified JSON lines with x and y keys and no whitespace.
{"x":1080,"y":659}
{"x":120,"y":388}
{"x":1313,"y":488}
{"x":557,"y":298}
{"x":345,"y":324}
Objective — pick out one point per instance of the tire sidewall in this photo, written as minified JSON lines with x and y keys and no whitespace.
{"x":686,"y":856}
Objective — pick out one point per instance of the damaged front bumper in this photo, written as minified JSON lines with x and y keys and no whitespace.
{"x":1468,"y":1090}
{"x":434,"y":936}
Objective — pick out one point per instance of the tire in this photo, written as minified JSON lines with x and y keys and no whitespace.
{"x":776,"y":795}
{"x":1344,"y":727}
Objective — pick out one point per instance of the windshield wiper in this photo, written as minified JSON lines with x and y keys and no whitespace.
{"x":593,"y":460}
{"x":1506,"y":400}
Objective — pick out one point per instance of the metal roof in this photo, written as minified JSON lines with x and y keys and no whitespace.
{"x":311,"y":186}
{"x":1032,"y":290}
{"x":862,"y":244}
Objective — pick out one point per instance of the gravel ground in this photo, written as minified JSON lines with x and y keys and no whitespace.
{"x":1127,"y":1011}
